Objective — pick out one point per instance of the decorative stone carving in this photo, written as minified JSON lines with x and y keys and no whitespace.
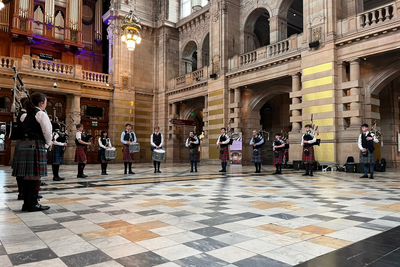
{"x":215,"y":64}
{"x":316,"y":34}
{"x":196,"y":29}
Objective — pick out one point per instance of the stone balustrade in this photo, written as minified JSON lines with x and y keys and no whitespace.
{"x":189,"y":79}
{"x":52,"y":67}
{"x":376,"y":16}
{"x":95,"y":77}
{"x":293,"y":43}
{"x":8,"y":62}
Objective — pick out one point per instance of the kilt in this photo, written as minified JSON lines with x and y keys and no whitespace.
{"x":80,"y":155}
{"x":127,"y":156}
{"x":258,"y":158}
{"x":101,"y":155}
{"x":194,"y":156}
{"x":31,"y":159}
{"x":279,"y":159}
{"x":370,"y":159}
{"x":310,"y":158}
{"x":57,"y":154}
{"x":225,"y":156}
{"x":15,"y":153}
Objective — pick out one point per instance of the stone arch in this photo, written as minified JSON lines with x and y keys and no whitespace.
{"x":269,"y":93}
{"x":189,"y":57}
{"x":205,"y":50}
{"x":255,"y":31}
{"x":382,"y":79}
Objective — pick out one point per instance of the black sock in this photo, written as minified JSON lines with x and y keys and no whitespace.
{"x":20,"y":181}
{"x":256,"y":165}
{"x":83,"y":167}
{"x":259,"y":167}
{"x":222,"y":165}
{"x":54,"y":171}
{"x":105,"y":167}
{"x":155,"y":165}
{"x":125,"y":166}
{"x":191,"y":165}
{"x":195,"y":166}
{"x":130,"y":166}
{"x":79,"y":168}
{"x":158,"y":165}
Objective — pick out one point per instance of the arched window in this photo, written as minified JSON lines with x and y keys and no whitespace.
{"x":59,"y":25}
{"x":190,"y":6}
{"x":59,"y":110}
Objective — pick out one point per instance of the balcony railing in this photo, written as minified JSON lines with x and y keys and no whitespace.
{"x":376,"y":16}
{"x":8,"y":62}
{"x":95,"y":77}
{"x":266,"y":52}
{"x":189,"y":79}
{"x":52,"y":67}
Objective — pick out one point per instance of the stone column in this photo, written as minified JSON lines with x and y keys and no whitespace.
{"x":238,"y":101}
{"x":173,"y":142}
{"x":73,"y":107}
{"x":355,"y":121}
{"x":278,"y":29}
{"x":296,"y":86}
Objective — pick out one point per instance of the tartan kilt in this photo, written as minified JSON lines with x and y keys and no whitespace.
{"x":310,"y":158}
{"x":256,"y":158}
{"x":370,"y":159}
{"x":31,"y":159}
{"x":279,"y":159}
{"x":194,"y":156}
{"x":126,"y":154}
{"x":15,"y":153}
{"x":101,"y":155}
{"x":80,"y":155}
{"x":57,"y":154}
{"x":225,"y":156}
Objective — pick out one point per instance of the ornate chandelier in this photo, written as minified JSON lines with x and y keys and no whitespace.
{"x":131,"y":31}
{"x":1,"y":5}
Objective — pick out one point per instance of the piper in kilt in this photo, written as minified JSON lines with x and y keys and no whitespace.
{"x":19,"y":137}
{"x":256,"y":155}
{"x":57,"y":150}
{"x":366,"y":142}
{"x":128,"y":137}
{"x":279,"y":151}
{"x":156,"y":141}
{"x":31,"y":161}
{"x":307,"y":141}
{"x":80,"y":154}
{"x":223,"y":142}
{"x":194,"y":156}
{"x":104,"y":143}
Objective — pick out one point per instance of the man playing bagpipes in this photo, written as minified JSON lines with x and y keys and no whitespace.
{"x":307,"y":142}
{"x":57,"y":150}
{"x":192,"y":142}
{"x":366,"y":142}
{"x":279,"y":151}
{"x":256,"y":155}
{"x":223,"y":142}
{"x":80,"y":154}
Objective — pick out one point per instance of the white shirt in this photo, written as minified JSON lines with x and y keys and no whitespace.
{"x":123,"y":136}
{"x":259,"y":143}
{"x":55,"y":136}
{"x":43,"y":119}
{"x":107,"y":145}
{"x":78,"y":135}
{"x":152,"y":143}
{"x":375,"y":139}
{"x":196,"y":142}
{"x":309,"y":142}
{"x":226,"y":141}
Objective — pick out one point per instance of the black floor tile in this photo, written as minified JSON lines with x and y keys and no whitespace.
{"x":284,"y":216}
{"x":83,"y":212}
{"x":47,"y":227}
{"x":142,"y":259}
{"x":391,"y":218}
{"x":206,"y":244}
{"x":260,"y":261}
{"x":321,"y":217}
{"x":357,"y":218}
{"x":201,"y":260}
{"x":32,"y":256}
{"x":210,"y":231}
{"x":2,"y":251}
{"x":68,"y":219}
{"x":148,"y":212}
{"x":86,"y":258}
{"x":249,"y":215}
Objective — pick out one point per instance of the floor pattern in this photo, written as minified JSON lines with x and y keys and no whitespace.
{"x":238,"y":219}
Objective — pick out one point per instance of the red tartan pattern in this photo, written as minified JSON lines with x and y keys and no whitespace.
{"x":31,"y":159}
{"x":310,"y":158}
{"x":258,"y":158}
{"x":225,"y":156}
{"x":126,"y":154}
{"x":279,"y":159}
{"x":80,"y":155}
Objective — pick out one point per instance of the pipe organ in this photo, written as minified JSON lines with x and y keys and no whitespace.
{"x":49,"y":11}
{"x":23,"y":8}
{"x":98,"y":21}
{"x":5,"y":17}
{"x":74,"y":14}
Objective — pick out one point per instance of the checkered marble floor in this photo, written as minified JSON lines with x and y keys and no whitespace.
{"x":204,"y":219}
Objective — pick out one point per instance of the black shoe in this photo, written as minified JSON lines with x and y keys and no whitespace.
{"x":191,"y":170}
{"x":56,"y":179}
{"x":276,"y":173}
{"x":20,"y":197}
{"x":61,"y":178}
{"x":155,"y":171}
{"x":256,"y":172}
{"x":81,"y":176}
{"x":195,"y":170}
{"x":24,"y":208}
{"x":43,"y":184}
{"x":125,"y":172}
{"x":84,"y":176}
{"x":221,"y":171}
{"x":104,"y":173}
{"x":39,"y":196}
{"x":371,"y":176}
{"x":364,"y":176}
{"x":311,"y":174}
{"x":131,"y":172}
{"x":305,"y":174}
{"x":159,"y":171}
{"x":38,"y":207}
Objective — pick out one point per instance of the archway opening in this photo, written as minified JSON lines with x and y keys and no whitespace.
{"x":189,"y":58}
{"x":257,"y":30}
{"x":205,"y":51}
{"x":295,"y":18}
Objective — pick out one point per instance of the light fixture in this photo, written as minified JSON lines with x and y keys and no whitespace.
{"x":196,"y":5}
{"x":131,"y":31}
{"x":1,"y":4}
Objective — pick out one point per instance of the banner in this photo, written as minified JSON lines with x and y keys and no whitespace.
{"x":236,"y":150}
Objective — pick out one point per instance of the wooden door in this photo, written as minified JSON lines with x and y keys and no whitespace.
{"x":5,"y":116}
{"x":94,"y":126}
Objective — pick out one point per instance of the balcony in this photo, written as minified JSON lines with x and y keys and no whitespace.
{"x":41,"y":67}
{"x":192,"y":79}
{"x":266,"y":53}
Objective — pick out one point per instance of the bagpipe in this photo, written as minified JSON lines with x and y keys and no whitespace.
{"x":285,"y":137}
{"x":263,"y":133}
{"x":85,"y":137}
{"x":14,"y":128}
{"x":377,"y":132}
{"x":232,"y":136}
{"x":61,"y":129}
{"x":314,"y":131}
